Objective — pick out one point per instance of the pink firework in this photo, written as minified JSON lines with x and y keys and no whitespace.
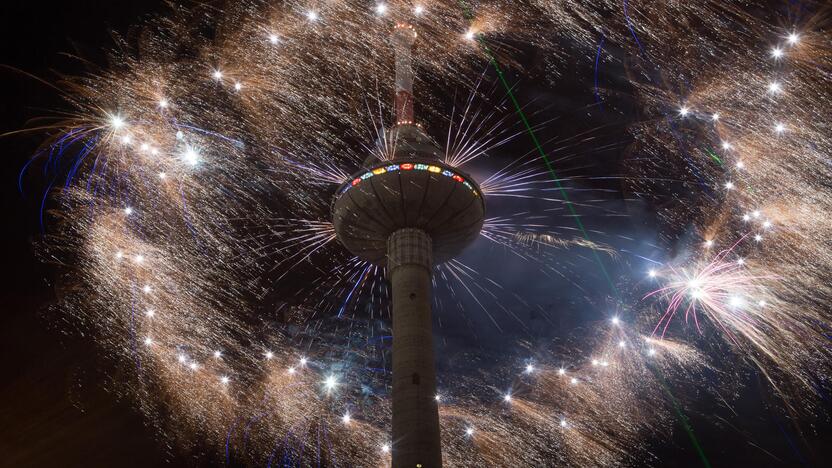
{"x":725,"y":290}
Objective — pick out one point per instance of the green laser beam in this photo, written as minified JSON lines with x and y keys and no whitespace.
{"x":547,"y":161}
{"x":713,"y":155}
{"x":519,"y":111}
{"x":682,"y":419}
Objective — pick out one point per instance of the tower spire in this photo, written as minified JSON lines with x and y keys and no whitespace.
{"x":403,"y":38}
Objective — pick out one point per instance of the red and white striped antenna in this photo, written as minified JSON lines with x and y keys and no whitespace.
{"x":403,"y":38}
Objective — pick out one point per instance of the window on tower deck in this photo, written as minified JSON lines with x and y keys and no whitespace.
{"x":415,"y":379}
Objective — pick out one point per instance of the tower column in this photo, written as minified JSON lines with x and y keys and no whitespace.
{"x":416,"y":441}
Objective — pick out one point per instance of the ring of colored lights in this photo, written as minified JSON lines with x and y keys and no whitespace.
{"x":408,"y":166}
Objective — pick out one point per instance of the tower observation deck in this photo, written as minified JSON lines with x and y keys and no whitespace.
{"x":407,"y":214}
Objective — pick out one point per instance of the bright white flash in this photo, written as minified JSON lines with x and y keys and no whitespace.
{"x":116,"y":122}
{"x":191,"y":156}
{"x":330,"y":383}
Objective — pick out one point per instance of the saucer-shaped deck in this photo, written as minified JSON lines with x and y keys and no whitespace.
{"x":422,"y":194}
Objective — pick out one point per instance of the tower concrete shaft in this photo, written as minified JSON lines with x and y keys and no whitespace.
{"x":416,"y":441}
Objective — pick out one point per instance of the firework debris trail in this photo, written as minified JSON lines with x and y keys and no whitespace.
{"x":197,"y":168}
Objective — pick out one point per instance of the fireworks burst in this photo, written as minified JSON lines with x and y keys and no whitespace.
{"x":722,"y":289}
{"x":192,"y":181}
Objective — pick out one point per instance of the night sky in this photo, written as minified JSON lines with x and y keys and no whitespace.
{"x":54,"y":409}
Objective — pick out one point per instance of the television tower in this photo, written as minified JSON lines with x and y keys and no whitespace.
{"x":409,"y":213}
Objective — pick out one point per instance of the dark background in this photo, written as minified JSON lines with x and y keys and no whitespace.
{"x":53,"y":409}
